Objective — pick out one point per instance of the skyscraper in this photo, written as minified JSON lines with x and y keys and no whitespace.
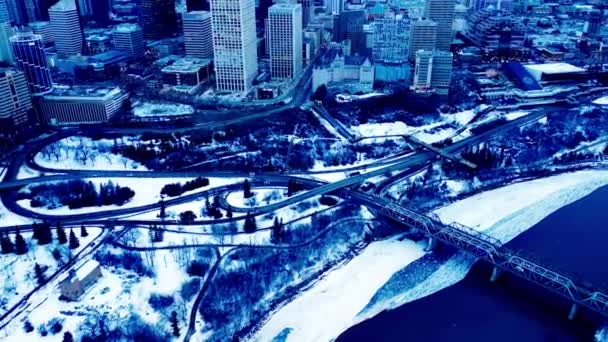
{"x":433,"y":71}
{"x":157,"y":18}
{"x":129,"y":38}
{"x":16,"y":99}
{"x":349,"y":26}
{"x":197,"y":34}
{"x":197,"y":5}
{"x":28,"y":51}
{"x":66,"y":29}
{"x":423,"y":36}
{"x":442,"y":12}
{"x":100,"y":11}
{"x":4,"y":14}
{"x":391,"y":39}
{"x":334,"y":6}
{"x":285,"y":33}
{"x":6,"y":52}
{"x":234,"y":44}
{"x":307,"y":7}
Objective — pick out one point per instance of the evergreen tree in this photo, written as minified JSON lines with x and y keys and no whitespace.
{"x":229,"y":213}
{"x":39,"y":274}
{"x":277,"y":230}
{"x":174,"y":324}
{"x":289,"y":187}
{"x":20,"y":245}
{"x":74,"y":243}
{"x":83,"y":231}
{"x":250,"y":225}
{"x":61,"y":237}
{"x":247,"y":189}
{"x":216,"y":201}
{"x":36,"y":231}
{"x":162,"y":209}
{"x":7,"y":244}
{"x":67,"y":337}
{"x":46,"y":236}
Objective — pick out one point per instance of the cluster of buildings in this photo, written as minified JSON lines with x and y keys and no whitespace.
{"x":258,"y":48}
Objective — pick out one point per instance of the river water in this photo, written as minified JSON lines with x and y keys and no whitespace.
{"x":572,"y":239}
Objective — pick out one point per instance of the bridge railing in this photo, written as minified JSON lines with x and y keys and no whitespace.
{"x":492,"y":250}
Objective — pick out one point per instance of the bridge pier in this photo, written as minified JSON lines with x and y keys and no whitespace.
{"x":430,"y":244}
{"x":573,"y":311}
{"x":495,"y":273}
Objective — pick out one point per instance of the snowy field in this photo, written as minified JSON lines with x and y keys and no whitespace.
{"x":333,"y":302}
{"x":261,"y":197}
{"x":115,"y":297}
{"x":603,"y":101}
{"x":504,"y":213}
{"x":445,"y":128}
{"x":160,"y":109}
{"x":147,"y":191}
{"x":82,"y":153}
{"x":18,"y":277}
{"x":10,"y":219}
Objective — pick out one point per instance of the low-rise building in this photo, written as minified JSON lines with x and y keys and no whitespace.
{"x":80,"y":280}
{"x":81,"y":105}
{"x":187,"y":74}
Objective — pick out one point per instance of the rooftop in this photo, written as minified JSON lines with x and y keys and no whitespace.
{"x":187,"y":64}
{"x":86,"y":269}
{"x":84,"y":91}
{"x":64,"y":5}
{"x":554,"y":68}
{"x":126,"y":28}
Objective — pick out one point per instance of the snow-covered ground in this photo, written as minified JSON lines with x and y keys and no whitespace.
{"x":115,"y":297}
{"x":147,"y":191}
{"x":332,"y":303}
{"x":83,"y":153}
{"x":262,"y":196}
{"x":444,"y":128}
{"x":602,"y":101}
{"x":160,"y":109}
{"x":25,"y":172}
{"x":504,"y":213}
{"x":18,"y":277}
{"x":10,"y":219}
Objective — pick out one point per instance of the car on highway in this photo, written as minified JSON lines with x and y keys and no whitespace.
{"x":367,"y":186}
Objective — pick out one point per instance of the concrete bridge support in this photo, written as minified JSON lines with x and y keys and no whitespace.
{"x":430,"y":244}
{"x":573,"y":311}
{"x":495,"y":274}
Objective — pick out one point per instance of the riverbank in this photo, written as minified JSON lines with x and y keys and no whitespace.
{"x":503,"y":213}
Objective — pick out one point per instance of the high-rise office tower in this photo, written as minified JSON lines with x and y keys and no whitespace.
{"x":16,"y":98}
{"x":442,"y":12}
{"x":197,"y":5}
{"x":234,"y":44}
{"x":4,"y":13}
{"x":6,"y":51}
{"x":307,"y":8}
{"x":349,"y":26}
{"x":66,"y":29}
{"x":42,"y":28}
{"x":197,"y":34}
{"x":28,"y":51}
{"x":129,"y":38}
{"x":157,"y":18}
{"x":285,"y":33}
{"x":423,"y":36}
{"x":334,"y":6}
{"x":433,"y":71}
{"x":100,"y":11}
{"x":17,"y":12}
{"x":391,"y":39}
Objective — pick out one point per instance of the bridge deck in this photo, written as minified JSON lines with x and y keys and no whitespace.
{"x":440,"y":152}
{"x":490,"y":249}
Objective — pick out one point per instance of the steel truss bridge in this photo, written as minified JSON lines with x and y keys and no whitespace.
{"x":491,"y":250}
